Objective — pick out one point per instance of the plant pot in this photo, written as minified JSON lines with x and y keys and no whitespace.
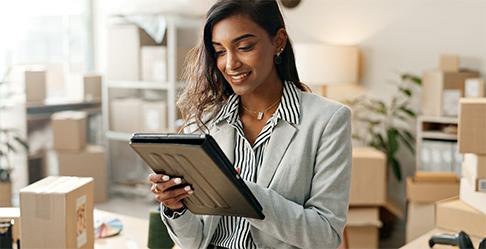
{"x":5,"y":194}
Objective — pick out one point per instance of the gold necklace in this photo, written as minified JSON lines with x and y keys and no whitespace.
{"x":260,"y":114}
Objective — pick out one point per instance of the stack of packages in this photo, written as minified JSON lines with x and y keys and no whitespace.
{"x":35,"y":86}
{"x":442,"y":89}
{"x":367,"y":195}
{"x":75,"y":157}
{"x":468,"y":213}
{"x":423,"y":190}
{"x":57,"y":212}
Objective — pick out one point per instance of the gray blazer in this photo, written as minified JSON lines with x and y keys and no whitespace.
{"x":303,"y":183}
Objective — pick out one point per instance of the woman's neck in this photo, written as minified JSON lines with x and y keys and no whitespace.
{"x":263,"y":98}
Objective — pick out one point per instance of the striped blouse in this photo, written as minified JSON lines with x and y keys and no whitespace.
{"x":234,"y":232}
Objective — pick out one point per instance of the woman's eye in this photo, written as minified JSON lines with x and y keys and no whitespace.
{"x":219,"y":53}
{"x":246,"y":48}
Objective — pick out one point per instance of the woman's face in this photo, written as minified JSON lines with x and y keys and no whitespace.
{"x":244,"y":54}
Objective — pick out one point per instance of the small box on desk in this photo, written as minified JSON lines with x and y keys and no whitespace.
{"x":57,"y":212}
{"x":87,"y":163}
{"x":441,"y":91}
{"x":455,"y":215}
{"x":472,"y":123}
{"x":69,"y":130}
{"x":368,"y":179}
{"x":362,"y":227}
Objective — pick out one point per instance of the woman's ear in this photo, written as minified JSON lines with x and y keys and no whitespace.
{"x":280,"y":40}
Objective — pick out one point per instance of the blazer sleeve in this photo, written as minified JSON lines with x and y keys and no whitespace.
{"x":319,"y":223}
{"x":186,"y":231}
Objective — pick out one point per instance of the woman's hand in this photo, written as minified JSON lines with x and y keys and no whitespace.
{"x":168,"y":192}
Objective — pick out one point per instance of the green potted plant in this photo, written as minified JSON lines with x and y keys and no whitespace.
{"x":385,"y":126}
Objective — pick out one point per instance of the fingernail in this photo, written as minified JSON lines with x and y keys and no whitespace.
{"x":177,"y":181}
{"x":190,"y":192}
{"x":165,"y":178}
{"x":187,"y":188}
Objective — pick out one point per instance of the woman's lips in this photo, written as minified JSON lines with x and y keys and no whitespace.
{"x":238,"y":78}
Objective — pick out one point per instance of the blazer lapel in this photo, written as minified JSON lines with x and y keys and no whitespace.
{"x":278,"y":144}
{"x":224,"y":135}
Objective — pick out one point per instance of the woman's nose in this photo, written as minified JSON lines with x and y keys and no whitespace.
{"x":232,"y":61}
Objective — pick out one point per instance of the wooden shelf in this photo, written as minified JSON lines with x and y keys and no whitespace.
{"x":438,"y":135}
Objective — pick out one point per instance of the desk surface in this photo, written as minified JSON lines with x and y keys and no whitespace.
{"x":422,"y":242}
{"x":134,"y":234}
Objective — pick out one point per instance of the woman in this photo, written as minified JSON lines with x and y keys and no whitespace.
{"x":292,"y":148}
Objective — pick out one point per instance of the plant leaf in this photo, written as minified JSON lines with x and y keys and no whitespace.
{"x":408,"y":111}
{"x":407,"y":142}
{"x":413,"y":78}
{"x":392,"y":141}
{"x":21,"y":142}
{"x":396,"y":167}
{"x":406,"y":91}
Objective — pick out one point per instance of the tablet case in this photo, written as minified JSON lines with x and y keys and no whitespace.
{"x":200,"y":162}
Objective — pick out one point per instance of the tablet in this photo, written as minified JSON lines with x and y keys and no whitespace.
{"x":200,"y":162}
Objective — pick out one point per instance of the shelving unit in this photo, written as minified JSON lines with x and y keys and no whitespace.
{"x":168,"y":88}
{"x":442,"y":133}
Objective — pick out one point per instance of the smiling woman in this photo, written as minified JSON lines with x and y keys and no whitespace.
{"x":292,"y":147}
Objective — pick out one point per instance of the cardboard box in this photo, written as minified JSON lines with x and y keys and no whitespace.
{"x":436,"y":83}
{"x":472,"y":123}
{"x":420,"y":219}
{"x":124,"y":44}
{"x":368,"y":179}
{"x":362,"y":227}
{"x":426,"y":192}
{"x":57,"y":212}
{"x":69,"y":130}
{"x":469,"y":195}
{"x":154,"y":116}
{"x":455,"y":215}
{"x":126,"y":115}
{"x":449,"y":63}
{"x":92,"y":87}
{"x":154,"y":63}
{"x":12,"y":214}
{"x":474,"y":88}
{"x":5,"y":194}
{"x":35,"y":86}
{"x":475,"y":172}
{"x":87,"y":163}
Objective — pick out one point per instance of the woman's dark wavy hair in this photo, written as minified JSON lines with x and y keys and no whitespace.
{"x":207,"y":90}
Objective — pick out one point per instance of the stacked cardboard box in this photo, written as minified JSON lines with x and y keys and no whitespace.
{"x":5,"y":194}
{"x":362,"y":227}
{"x":472,"y":137}
{"x":135,"y":115}
{"x":75,"y":157}
{"x":423,"y":191}
{"x":442,"y":88}
{"x":367,"y":195}
{"x":57,"y":212}
{"x":468,"y":213}
{"x":35,"y":86}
